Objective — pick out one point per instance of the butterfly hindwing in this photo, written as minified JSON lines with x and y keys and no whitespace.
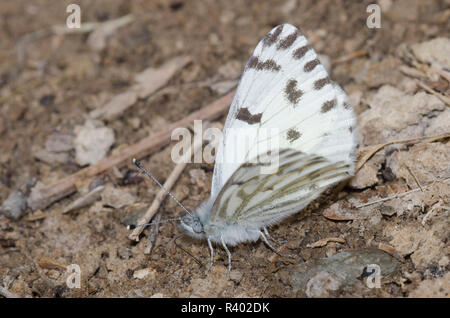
{"x":249,"y":197}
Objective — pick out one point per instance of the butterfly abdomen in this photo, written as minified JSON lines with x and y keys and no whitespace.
{"x":231,"y":234}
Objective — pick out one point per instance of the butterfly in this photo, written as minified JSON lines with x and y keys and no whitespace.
{"x":284,"y":88}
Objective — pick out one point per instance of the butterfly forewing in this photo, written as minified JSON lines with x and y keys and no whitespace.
{"x":285,"y":90}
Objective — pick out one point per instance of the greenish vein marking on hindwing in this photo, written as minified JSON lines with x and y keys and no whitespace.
{"x":263,"y":182}
{"x":276,"y":208}
{"x":279,"y":176}
{"x":300,"y":182}
{"x":237,"y":214}
{"x":289,"y":188}
{"x":224,"y":206}
{"x":278,"y":179}
{"x":230,"y":183}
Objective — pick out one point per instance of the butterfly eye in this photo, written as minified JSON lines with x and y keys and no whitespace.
{"x":197,"y":226}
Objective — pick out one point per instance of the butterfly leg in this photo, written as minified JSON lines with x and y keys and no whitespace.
{"x":212,"y":254}
{"x":229,"y":258}
{"x":272,"y":238}
{"x":271,"y":247}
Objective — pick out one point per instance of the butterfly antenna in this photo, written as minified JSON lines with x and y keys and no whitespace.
{"x":140,"y":166}
{"x":133,"y":226}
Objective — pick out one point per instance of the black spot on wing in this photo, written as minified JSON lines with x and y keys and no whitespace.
{"x":249,"y":118}
{"x":321,"y":83}
{"x":292,"y":93}
{"x":272,"y":36}
{"x":300,"y":52}
{"x":288,"y":41}
{"x":293,"y":135}
{"x":311,"y":65}
{"x":269,"y":65}
{"x":328,"y":105}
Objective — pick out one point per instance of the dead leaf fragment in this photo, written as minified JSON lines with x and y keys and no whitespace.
{"x":152,"y":79}
{"x":97,"y":39}
{"x":341,"y":211}
{"x":325,"y":241}
{"x":147,"y":82}
{"x":48,"y":263}
{"x":116,"y":106}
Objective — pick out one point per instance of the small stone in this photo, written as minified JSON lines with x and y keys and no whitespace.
{"x":319,"y":277}
{"x":14,"y":206}
{"x":117,"y":198}
{"x":92,"y":142}
{"x":124,"y":252}
{"x":365,"y":177}
{"x":387,"y":210}
{"x":236,"y":276}
{"x":434,"y":51}
{"x":142,"y":273}
{"x":321,"y":284}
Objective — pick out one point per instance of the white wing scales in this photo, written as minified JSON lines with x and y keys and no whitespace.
{"x":285,"y":88}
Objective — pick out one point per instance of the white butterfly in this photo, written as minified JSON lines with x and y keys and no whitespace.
{"x":283,"y":86}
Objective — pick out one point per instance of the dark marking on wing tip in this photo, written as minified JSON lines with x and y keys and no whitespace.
{"x":269,"y":65}
{"x":288,"y":41}
{"x":321,"y":83}
{"x":272,"y":37}
{"x":252,"y":62}
{"x":293,"y":94}
{"x":293,"y":135}
{"x":350,"y":129}
{"x":249,"y":118}
{"x":300,"y":52}
{"x":347,"y":105}
{"x":311,"y":65}
{"x":328,"y":105}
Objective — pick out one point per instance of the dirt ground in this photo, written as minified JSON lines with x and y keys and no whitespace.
{"x":51,"y":80}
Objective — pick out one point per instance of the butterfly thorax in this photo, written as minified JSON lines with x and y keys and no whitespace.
{"x":199,"y":225}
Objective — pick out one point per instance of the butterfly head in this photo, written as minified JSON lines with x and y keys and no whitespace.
{"x":193,"y":226}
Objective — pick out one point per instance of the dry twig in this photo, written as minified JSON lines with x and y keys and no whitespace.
{"x":151,"y":238}
{"x":443,"y":98}
{"x":349,"y":57}
{"x":398,"y":195}
{"x":325,"y":241}
{"x":161,"y":195}
{"x":374,"y":149}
